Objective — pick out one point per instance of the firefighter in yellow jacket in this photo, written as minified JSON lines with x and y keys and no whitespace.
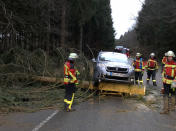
{"x":169,"y":78}
{"x":152,"y":67}
{"x":70,"y":81}
{"x":138,"y":65}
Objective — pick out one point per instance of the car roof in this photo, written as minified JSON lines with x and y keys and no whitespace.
{"x":109,"y":53}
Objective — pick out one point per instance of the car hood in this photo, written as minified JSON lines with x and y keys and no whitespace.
{"x":116,"y":64}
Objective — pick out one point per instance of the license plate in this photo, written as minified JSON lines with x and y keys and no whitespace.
{"x":116,"y":74}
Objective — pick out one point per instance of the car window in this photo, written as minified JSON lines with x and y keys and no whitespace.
{"x":118,"y":47}
{"x":113,"y":57}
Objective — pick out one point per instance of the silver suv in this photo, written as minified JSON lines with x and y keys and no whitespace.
{"x":112,"y":66}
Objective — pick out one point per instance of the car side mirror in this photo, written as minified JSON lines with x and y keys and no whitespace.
{"x":93,"y":60}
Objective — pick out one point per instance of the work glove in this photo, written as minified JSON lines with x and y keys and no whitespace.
{"x":77,"y":73}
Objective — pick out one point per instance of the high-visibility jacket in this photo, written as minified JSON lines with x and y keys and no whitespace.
{"x":70,"y":73}
{"x":138,"y":65}
{"x":169,"y":72}
{"x":164,"y":60}
{"x":152,"y":64}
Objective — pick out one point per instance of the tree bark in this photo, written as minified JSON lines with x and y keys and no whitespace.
{"x":81,"y":39}
{"x":63,"y":23}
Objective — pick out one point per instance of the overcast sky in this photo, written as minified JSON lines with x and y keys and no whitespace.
{"x":124,"y":13}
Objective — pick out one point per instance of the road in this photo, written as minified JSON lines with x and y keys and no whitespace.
{"x":104,"y":113}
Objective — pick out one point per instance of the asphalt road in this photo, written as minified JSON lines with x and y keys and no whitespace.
{"x":104,"y":113}
{"x":107,"y":113}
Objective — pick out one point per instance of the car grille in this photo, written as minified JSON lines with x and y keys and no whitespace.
{"x":117,"y":78}
{"x":117,"y":70}
{"x":111,"y":68}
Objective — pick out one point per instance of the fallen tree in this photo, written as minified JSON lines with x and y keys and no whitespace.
{"x":34,"y":80}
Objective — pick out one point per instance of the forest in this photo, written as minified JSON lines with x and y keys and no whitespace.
{"x":48,"y":24}
{"x":154,"y":28}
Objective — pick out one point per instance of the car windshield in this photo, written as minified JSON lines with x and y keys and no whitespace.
{"x":113,"y":57}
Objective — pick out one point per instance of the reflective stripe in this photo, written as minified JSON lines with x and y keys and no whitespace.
{"x":154,"y":80}
{"x":138,"y":70}
{"x":74,"y":78}
{"x":173,"y":66}
{"x":167,"y":81}
{"x":71,"y":102}
{"x":66,"y":101}
{"x":69,"y":73}
{"x":148,"y":79}
{"x":152,"y":60}
{"x":140,"y":62}
{"x":156,"y":65}
{"x":66,"y":79}
{"x":149,"y":64}
{"x":173,"y":73}
{"x":173,"y":69}
{"x":66,"y":67}
{"x":141,"y":81}
{"x":151,"y":69}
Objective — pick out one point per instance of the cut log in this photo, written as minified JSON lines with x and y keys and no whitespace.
{"x":48,"y":79}
{"x":84,"y":84}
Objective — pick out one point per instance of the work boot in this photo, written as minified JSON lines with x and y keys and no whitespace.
{"x":154,"y":84}
{"x":165,"y":109}
{"x":70,"y":110}
{"x":172,"y":103}
{"x":65,"y":107}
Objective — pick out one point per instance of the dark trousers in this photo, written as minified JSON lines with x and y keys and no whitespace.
{"x":69,"y":95}
{"x":151,"y":73}
{"x":138,"y":77}
{"x":168,"y":91}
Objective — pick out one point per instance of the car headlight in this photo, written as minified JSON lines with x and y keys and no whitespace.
{"x":102,"y":68}
{"x":131,"y":69}
{"x":101,"y":65}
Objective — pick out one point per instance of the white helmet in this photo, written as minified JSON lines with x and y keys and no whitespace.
{"x":138,"y":54}
{"x":170,"y":53}
{"x":152,"y":54}
{"x":72,"y":56}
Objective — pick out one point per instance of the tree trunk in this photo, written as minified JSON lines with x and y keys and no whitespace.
{"x":63,"y":23}
{"x":81,"y":39}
